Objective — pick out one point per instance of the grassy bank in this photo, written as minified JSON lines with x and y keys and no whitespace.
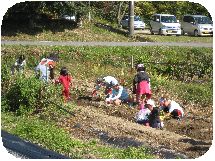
{"x":181,"y":66}
{"x":181,"y":72}
{"x":173,"y":38}
{"x":48,"y":135}
{"x":95,"y":31}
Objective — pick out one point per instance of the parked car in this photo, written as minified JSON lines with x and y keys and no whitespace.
{"x":165,"y":24}
{"x":69,"y":17}
{"x":138,"y":23}
{"x":197,"y":25}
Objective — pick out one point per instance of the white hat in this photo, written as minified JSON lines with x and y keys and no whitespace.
{"x":140,"y":65}
{"x":150,"y":102}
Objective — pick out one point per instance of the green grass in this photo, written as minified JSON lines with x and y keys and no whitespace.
{"x":92,"y":62}
{"x":50,"y":136}
{"x":173,"y":38}
{"x":89,"y":32}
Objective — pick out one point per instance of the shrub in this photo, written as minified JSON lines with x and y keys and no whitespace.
{"x":26,"y":95}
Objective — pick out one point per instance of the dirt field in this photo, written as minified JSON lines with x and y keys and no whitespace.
{"x":189,"y":138}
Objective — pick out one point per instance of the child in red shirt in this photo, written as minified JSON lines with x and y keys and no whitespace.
{"x":66,"y":80}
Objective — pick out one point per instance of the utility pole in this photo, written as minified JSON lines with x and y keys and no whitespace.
{"x":131,"y":19}
{"x":89,"y":12}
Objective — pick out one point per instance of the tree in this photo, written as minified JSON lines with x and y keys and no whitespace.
{"x":122,"y":9}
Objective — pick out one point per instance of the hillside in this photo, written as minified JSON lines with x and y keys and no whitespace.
{"x":108,"y":126}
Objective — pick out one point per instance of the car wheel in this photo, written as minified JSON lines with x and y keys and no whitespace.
{"x":196,"y":33}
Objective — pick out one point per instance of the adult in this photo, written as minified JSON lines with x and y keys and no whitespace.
{"x":44,"y":69}
{"x":55,"y":58}
{"x":108,"y":82}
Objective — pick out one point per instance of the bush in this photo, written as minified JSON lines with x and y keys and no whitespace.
{"x":23,"y":94}
{"x":26,"y":95}
{"x":201,"y":95}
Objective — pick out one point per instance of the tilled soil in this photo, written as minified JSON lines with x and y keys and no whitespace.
{"x":189,"y":138}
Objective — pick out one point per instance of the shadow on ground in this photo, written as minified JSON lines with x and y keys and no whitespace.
{"x":111,"y":29}
{"x":139,"y":35}
{"x":26,"y":25}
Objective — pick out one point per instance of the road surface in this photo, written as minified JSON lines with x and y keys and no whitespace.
{"x":23,"y":149}
{"x":72,"y":43}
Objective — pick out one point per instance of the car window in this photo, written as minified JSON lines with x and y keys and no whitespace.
{"x":203,"y":20}
{"x":155,"y":17}
{"x":186,"y":19}
{"x":191,"y":19}
{"x":168,"y":19}
{"x":137,"y":18}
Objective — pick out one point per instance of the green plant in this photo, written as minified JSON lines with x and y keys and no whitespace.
{"x":27,"y":95}
{"x":136,"y":153}
{"x":23,"y":94}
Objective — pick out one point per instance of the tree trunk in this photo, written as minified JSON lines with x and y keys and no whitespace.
{"x":121,"y":12}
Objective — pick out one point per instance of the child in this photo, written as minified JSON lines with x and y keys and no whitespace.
{"x":142,"y":116}
{"x":172,"y":108}
{"x":154,"y":116}
{"x":44,"y":69}
{"x":108,"y":82}
{"x":141,"y":84}
{"x":66,"y":80}
{"x":19,"y":65}
{"x":119,"y":95}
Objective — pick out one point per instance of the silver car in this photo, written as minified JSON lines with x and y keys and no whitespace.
{"x":138,"y":23}
{"x":197,"y":25}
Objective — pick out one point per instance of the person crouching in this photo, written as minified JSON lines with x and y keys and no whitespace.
{"x":119,"y":95}
{"x":154,"y":116}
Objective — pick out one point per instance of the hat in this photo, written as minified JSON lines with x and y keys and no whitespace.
{"x":140,"y":65}
{"x":150,"y":102}
{"x":113,"y":84}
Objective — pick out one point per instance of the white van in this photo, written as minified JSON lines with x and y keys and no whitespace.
{"x":197,"y":25}
{"x":165,"y":24}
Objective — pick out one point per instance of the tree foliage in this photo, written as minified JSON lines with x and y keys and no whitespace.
{"x":109,"y":10}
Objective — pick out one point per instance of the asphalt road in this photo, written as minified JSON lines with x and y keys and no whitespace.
{"x":72,"y":43}
{"x":26,"y":150}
